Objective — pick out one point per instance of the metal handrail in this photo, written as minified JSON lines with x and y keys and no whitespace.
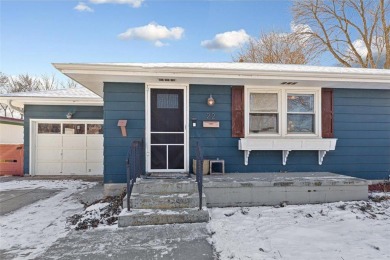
{"x":199,"y":172}
{"x":133,"y":167}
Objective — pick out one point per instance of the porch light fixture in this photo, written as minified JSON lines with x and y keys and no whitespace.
{"x":210,"y":101}
{"x":69,"y":115}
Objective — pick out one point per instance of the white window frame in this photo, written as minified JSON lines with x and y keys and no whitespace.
{"x":283,"y":93}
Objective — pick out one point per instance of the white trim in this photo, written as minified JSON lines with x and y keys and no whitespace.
{"x":286,"y":145}
{"x":33,"y":124}
{"x":282,"y":110}
{"x":93,"y":76}
{"x":185,"y":88}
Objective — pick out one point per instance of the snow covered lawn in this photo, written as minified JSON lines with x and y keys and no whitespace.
{"x":342,"y":230}
{"x":28,"y":232}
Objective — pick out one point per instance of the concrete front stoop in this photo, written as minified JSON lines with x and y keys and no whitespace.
{"x":163,"y":201}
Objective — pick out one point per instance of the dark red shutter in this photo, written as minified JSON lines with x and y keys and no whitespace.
{"x":238,"y":111}
{"x":327,"y":113}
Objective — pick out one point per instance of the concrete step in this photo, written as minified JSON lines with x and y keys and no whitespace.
{"x":164,"y":201}
{"x":140,"y":217}
{"x":165,"y":186}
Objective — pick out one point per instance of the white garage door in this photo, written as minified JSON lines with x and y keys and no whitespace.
{"x":69,"y":148}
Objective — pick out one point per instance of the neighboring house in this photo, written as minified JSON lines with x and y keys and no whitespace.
{"x":11,"y":146}
{"x":11,"y":130}
{"x":265,"y":118}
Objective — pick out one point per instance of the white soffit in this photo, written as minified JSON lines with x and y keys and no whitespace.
{"x":71,"y":96}
{"x":93,"y":76}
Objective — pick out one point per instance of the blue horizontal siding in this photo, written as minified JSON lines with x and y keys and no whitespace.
{"x":361,"y":124}
{"x":53,"y":112}
{"x":122,"y":101}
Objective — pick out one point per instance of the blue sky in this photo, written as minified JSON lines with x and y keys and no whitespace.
{"x":35,"y":34}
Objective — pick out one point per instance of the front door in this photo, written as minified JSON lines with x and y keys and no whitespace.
{"x":167,"y":131}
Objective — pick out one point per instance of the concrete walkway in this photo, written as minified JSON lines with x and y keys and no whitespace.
{"x":183,"y":241}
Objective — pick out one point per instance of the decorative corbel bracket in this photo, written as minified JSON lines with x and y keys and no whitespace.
{"x":246,"y":156}
{"x":321,"y":155}
{"x":284,"y":156}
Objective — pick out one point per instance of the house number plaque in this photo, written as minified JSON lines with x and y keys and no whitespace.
{"x":210,"y":116}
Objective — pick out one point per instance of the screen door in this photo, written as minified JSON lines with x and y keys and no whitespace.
{"x":167,"y":130}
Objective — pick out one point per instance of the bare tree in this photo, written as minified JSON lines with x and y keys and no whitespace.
{"x":69,"y":84}
{"x":27,"y":83}
{"x":276,"y":47}
{"x":355,"y":32}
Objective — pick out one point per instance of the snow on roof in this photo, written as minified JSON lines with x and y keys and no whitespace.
{"x":252,"y":67}
{"x":58,"y":93}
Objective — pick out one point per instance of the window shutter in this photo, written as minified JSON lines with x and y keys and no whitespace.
{"x":238,"y":111}
{"x":327,"y":112}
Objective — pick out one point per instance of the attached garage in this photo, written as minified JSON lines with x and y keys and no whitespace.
{"x":66,"y":147}
{"x":63,"y":131}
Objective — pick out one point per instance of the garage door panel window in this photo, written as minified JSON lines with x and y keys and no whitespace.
{"x":78,"y":129}
{"x":94,"y":129}
{"x":46,"y":128}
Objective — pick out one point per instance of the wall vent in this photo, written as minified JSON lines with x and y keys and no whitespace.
{"x":166,"y":80}
{"x":289,"y":83}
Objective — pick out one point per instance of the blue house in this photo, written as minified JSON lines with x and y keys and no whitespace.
{"x":255,"y":117}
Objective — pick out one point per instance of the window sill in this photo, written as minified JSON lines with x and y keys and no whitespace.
{"x":322,"y":145}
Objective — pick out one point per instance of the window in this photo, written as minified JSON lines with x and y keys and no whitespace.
{"x":264,"y":113}
{"x":72,"y":129}
{"x":300,"y":113}
{"x":282,"y":112}
{"x":94,"y":129}
{"x":44,"y":128}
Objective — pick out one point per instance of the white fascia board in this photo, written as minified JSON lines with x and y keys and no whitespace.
{"x":21,"y":101}
{"x":360,"y":78}
{"x":365,"y":75}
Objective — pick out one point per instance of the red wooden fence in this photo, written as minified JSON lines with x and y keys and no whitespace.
{"x":11,"y":159}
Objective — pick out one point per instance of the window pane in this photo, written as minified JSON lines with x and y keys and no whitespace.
{"x":159,"y":156}
{"x":49,"y":128}
{"x":263,"y":123}
{"x":74,"y":129}
{"x":264,"y":102}
{"x":170,"y":101}
{"x":300,"y":123}
{"x":300,"y":103}
{"x":94,"y":129}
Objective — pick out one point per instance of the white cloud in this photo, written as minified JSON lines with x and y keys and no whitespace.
{"x":377,"y":50}
{"x":301,"y":28}
{"x":226,"y":40}
{"x":153,"y":32}
{"x":133,"y":3}
{"x":160,"y":44}
{"x":82,"y":7}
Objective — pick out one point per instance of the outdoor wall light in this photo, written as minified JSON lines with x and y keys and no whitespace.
{"x":210,"y":101}
{"x":69,"y":115}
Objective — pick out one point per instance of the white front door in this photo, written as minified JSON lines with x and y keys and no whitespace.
{"x":167,"y":149}
{"x":67,"y":148}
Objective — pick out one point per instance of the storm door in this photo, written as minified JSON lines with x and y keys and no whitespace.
{"x":167,"y":130}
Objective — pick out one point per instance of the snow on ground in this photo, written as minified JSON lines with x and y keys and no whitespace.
{"x":342,"y":230}
{"x":29,"y":231}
